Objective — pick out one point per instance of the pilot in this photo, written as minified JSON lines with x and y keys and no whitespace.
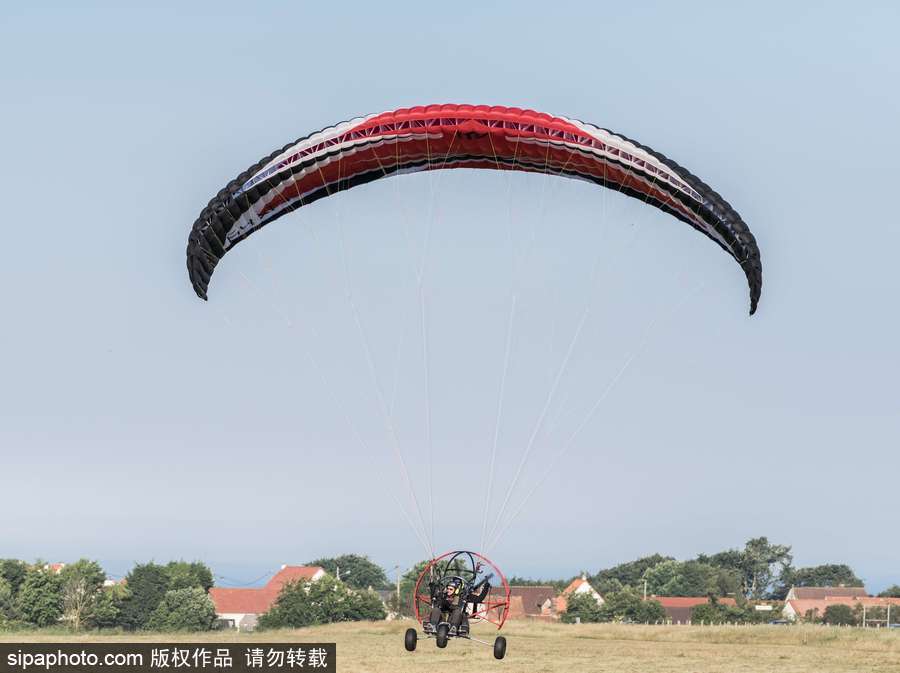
{"x":452,"y":601}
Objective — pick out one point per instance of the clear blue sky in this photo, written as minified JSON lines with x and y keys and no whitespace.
{"x":137,"y":422}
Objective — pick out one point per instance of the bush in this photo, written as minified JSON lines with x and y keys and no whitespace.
{"x":584,"y":608}
{"x":326,"y":600}
{"x":187,"y":609}
{"x":628,"y":606}
{"x":840,"y":615}
{"x":620,"y":606}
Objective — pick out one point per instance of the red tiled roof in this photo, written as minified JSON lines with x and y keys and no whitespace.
{"x":291,"y":574}
{"x":577,"y":582}
{"x":244,"y":601}
{"x":803,"y":605}
{"x":679,"y":609}
{"x":531,"y":600}
{"x":687,"y":601}
{"x":258,"y":601}
{"x":562,"y":602}
{"x":801,"y":593}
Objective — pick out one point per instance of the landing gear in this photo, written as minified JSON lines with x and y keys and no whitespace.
{"x":499,"y":647}
{"x":443,"y":633}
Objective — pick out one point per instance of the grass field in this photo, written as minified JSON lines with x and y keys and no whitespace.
{"x":556,"y":648}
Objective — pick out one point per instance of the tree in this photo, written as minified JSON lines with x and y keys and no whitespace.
{"x":559,"y":585}
{"x":184,"y":575}
{"x":582,"y":607}
{"x":759,"y":565}
{"x":707,"y":613}
{"x":188,"y":609}
{"x":892,"y":592}
{"x":627,"y":606}
{"x":763,"y":564}
{"x":840,"y":615}
{"x":81,"y":583}
{"x":364,"y":605}
{"x":829,"y":575}
{"x":107,"y":608}
{"x":649,"y":612}
{"x":13,"y":571}
{"x":407,"y":585}
{"x":7,"y":601}
{"x":690,"y":578}
{"x":629,"y":574}
{"x":147,"y":584}
{"x":326,"y":600}
{"x":355,"y":571}
{"x":39,"y":600}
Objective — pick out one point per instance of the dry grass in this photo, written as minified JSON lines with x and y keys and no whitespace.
{"x":551,"y":648}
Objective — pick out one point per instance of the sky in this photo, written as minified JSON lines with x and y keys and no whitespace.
{"x":264,"y":427}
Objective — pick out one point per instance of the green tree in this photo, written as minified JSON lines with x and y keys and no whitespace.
{"x":355,"y":571}
{"x":184,"y":575}
{"x":7,"y":601}
{"x":81,"y":583}
{"x":364,"y":605}
{"x":306,"y":603}
{"x":188,"y":609}
{"x":649,"y":612}
{"x":707,"y":613}
{"x":840,"y":615}
{"x":39,"y":600}
{"x":147,"y":584}
{"x":690,"y":578}
{"x":759,"y":565}
{"x":628,"y":606}
{"x":629,"y":574}
{"x":584,"y":608}
{"x":107,"y":609}
{"x":13,"y":571}
{"x":559,"y":585}
{"x":892,"y":592}
{"x":407,"y":585}
{"x":829,"y":575}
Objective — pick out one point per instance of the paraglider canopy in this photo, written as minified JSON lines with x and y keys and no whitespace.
{"x":448,"y":136}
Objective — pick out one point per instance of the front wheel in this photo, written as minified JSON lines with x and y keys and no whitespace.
{"x":499,"y":647}
{"x":443,"y":632}
{"x":409,"y":640}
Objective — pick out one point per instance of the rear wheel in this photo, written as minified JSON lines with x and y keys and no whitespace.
{"x":443,"y":632}
{"x":500,"y":647}
{"x":409,"y":640}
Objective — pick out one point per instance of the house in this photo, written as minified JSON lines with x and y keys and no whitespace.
{"x":819,"y":593}
{"x":532,"y":603}
{"x":678,"y":608}
{"x":241,"y":608}
{"x":55,"y":568}
{"x":579,"y":585}
{"x":801,"y":609}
